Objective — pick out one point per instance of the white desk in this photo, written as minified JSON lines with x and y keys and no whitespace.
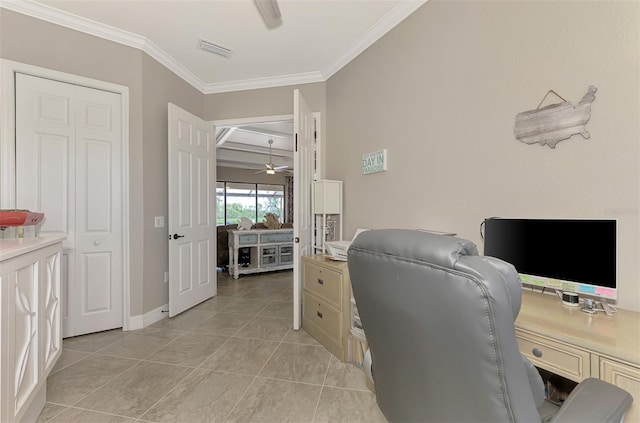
{"x":575,"y":345}
{"x":270,"y":249}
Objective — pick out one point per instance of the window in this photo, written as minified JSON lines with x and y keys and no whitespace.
{"x":238,"y":199}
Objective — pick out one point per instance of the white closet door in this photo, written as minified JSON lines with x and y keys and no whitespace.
{"x":98,"y":211}
{"x":68,"y":165}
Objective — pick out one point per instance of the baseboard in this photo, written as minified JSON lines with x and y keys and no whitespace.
{"x":149,"y":318}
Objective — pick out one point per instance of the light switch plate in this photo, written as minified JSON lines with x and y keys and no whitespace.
{"x":159,"y":221}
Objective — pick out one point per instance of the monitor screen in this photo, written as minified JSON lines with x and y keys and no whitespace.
{"x":566,"y":254}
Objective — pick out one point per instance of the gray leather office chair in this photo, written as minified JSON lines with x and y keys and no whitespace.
{"x":439,"y":320}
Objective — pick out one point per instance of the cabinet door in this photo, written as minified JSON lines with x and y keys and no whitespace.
{"x":625,"y":377}
{"x":50,"y":306}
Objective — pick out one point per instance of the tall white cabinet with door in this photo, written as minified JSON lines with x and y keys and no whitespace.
{"x":69,"y":165}
{"x":327,"y":213}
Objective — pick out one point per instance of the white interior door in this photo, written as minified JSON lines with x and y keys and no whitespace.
{"x":303,"y":128}
{"x":192,"y":211}
{"x":69,"y":166}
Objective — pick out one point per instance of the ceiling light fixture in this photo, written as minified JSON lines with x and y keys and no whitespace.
{"x":271,"y":172}
{"x":214,"y":48}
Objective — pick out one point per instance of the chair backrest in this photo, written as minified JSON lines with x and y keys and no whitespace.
{"x":439,"y":320}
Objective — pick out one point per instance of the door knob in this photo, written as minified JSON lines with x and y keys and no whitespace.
{"x":176,"y":236}
{"x":96,"y":242}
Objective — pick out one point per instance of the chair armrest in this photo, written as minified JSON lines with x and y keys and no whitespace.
{"x":594,"y":400}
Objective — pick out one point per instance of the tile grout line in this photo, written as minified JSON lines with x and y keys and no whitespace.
{"x":187,"y":375}
{"x":324,"y":380}
{"x":107,"y":382}
{"x":73,"y":407}
{"x":254,"y":378}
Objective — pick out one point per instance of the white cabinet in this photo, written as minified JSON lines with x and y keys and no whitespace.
{"x":268,"y":250}
{"x":31,"y":334}
{"x":327,"y":213}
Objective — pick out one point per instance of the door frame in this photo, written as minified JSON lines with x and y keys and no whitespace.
{"x":319,"y":170}
{"x":317,"y":116}
{"x":8,"y":69}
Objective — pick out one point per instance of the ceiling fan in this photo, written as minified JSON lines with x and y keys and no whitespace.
{"x":270,"y":12}
{"x":271,"y":169}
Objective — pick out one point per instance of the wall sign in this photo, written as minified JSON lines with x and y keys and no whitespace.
{"x":374,"y":162}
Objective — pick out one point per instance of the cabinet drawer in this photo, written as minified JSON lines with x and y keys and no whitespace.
{"x":277,"y":237}
{"x":324,"y":283}
{"x":558,"y":358}
{"x":322,"y":316}
{"x":247,"y":239}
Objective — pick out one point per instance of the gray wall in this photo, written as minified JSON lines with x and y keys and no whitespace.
{"x":28,"y":40}
{"x":160,"y":86}
{"x":441,"y":91}
{"x":151,"y":87}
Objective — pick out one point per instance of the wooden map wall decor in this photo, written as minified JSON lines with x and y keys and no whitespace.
{"x":556,"y":122}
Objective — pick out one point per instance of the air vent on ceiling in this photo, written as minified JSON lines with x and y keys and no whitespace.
{"x":215,"y":48}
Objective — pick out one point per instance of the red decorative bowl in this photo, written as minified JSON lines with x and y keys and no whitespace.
{"x":19,"y":218}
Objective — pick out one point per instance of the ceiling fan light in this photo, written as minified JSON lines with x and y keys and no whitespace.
{"x":271,"y":172}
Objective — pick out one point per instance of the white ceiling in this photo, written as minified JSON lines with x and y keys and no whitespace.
{"x":247,"y":146}
{"x":314,"y":39}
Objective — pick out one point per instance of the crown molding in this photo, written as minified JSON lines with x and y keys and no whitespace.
{"x":59,"y":17}
{"x":385,"y":24}
{"x":269,"y":82}
{"x":68,"y":20}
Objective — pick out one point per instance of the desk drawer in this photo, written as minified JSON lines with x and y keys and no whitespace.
{"x":277,"y":237}
{"x":556,"y":357}
{"x":324,"y":283}
{"x":323,"y":318}
{"x":247,"y":239}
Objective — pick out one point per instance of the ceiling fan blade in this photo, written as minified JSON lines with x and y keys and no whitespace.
{"x":280,"y":167}
{"x":269,"y":11}
{"x":260,"y":171}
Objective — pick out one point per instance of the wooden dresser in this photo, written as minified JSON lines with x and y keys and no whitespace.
{"x":326,"y":302}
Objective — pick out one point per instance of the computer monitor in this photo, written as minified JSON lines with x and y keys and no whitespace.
{"x":570,"y":255}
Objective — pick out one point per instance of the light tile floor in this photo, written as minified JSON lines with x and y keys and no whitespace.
{"x":233,"y":358}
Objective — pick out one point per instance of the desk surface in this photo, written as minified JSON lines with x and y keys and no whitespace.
{"x":616,"y":336}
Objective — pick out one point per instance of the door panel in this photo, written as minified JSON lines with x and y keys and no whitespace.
{"x":192,"y":272}
{"x":97,"y":273}
{"x":53,"y":180}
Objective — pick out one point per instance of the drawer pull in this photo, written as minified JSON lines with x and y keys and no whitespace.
{"x":320,"y":281}
{"x":319,"y":314}
{"x":537,"y":352}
